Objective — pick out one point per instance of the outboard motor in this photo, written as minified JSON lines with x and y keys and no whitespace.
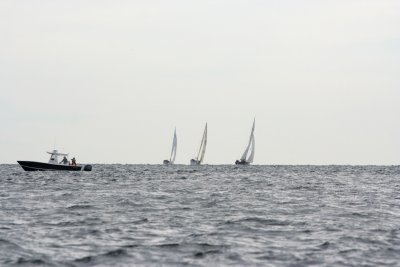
{"x":87,"y":168}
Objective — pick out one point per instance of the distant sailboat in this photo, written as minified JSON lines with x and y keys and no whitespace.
{"x":246,"y":160}
{"x":173,"y":151}
{"x":202,"y":150}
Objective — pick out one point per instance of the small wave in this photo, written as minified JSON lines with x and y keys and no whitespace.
{"x":354,"y":215}
{"x":302,"y":187}
{"x":131,"y":246}
{"x":79,"y":207}
{"x":8,"y":243}
{"x":261,"y":221}
{"x":84,"y":259}
{"x":198,"y":250}
{"x":67,"y":195}
{"x":347,"y":251}
{"x":211,"y":204}
{"x":29,"y":262}
{"x":116,"y":253}
{"x":171,"y":245}
{"x":324,"y":245}
{"x":144,"y":220}
{"x":235,"y":257}
{"x":112,"y":253}
{"x":207,"y":245}
{"x":202,"y":254}
{"x":126,"y":202}
{"x":85,"y":222}
{"x":204,"y":247}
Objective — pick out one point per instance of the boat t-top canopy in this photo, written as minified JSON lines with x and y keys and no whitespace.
{"x":55,"y":153}
{"x":54,"y":156}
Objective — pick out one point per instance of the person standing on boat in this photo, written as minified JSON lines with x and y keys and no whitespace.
{"x":73,"y":161}
{"x":64,"y":160}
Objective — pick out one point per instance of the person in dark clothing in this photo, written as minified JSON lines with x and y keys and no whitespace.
{"x":73,"y":161}
{"x":64,"y":160}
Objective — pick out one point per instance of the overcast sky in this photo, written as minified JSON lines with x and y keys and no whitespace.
{"x":107,"y":81}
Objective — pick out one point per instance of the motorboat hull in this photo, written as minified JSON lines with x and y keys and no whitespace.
{"x":41,"y":166}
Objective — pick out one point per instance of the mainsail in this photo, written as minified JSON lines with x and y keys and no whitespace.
{"x":253,"y":149}
{"x":204,"y":142}
{"x":250,"y":146}
{"x":173,"y":150}
{"x":202,"y":149}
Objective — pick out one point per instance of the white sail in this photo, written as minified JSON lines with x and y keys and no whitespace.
{"x":244,"y":156}
{"x":204,"y":143}
{"x":198,"y":159}
{"x":253,"y":147}
{"x":173,"y":150}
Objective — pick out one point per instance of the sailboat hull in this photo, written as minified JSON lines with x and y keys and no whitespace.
{"x":242,"y":162}
{"x":41,"y":166}
{"x":194,"y":162}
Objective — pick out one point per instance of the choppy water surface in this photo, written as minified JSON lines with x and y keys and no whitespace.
{"x":149,"y":215}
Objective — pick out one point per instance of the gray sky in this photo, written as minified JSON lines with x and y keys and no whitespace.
{"x":109,"y":80}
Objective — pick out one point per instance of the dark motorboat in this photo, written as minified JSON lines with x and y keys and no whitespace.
{"x":54,"y":164}
{"x":41,"y":166}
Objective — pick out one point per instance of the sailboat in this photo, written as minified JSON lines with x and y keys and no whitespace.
{"x":247,"y":157}
{"x":173,"y":151}
{"x":202,"y":150}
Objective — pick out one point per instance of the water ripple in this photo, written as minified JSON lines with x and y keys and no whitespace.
{"x":152,"y":215}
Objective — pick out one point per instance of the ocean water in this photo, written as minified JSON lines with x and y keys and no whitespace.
{"x":152,"y":215}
